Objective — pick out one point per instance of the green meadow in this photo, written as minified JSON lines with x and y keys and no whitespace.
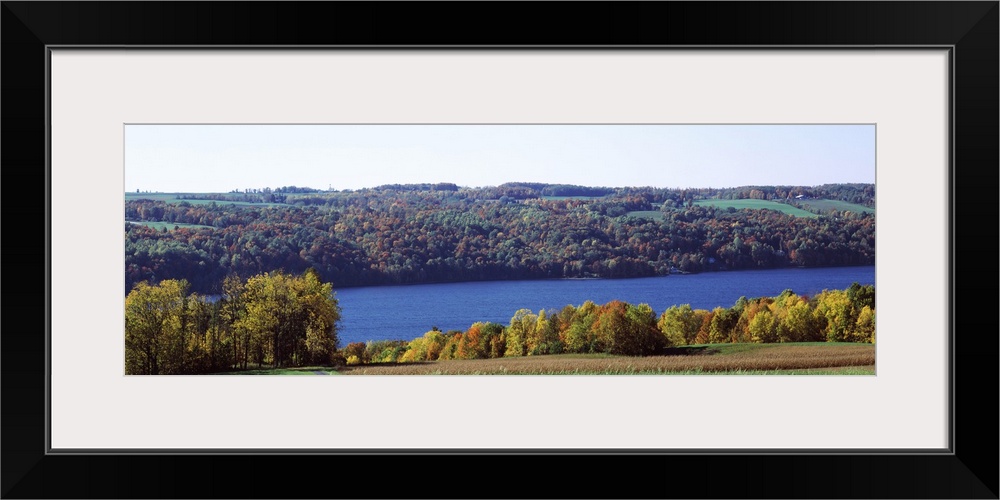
{"x":756,"y":205}
{"x":176,"y":198}
{"x":840,"y":206}
{"x":168,"y":225}
{"x":646,"y":214}
{"x":560,"y":198}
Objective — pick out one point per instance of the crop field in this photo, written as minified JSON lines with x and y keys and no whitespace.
{"x":841,"y":206}
{"x":168,"y":225}
{"x":756,"y":204}
{"x":714,"y":359}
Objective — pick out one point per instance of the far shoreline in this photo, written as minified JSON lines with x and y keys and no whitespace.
{"x":597,"y":278}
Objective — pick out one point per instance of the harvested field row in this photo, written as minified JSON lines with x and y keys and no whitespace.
{"x":754,"y":359}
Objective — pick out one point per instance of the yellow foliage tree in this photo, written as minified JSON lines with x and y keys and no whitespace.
{"x":153,"y":327}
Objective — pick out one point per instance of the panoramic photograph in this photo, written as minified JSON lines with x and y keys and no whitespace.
{"x":547,"y":249}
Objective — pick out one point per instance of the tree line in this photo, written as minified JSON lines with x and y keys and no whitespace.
{"x":272,"y":319}
{"x":282,"y":320}
{"x":443,"y":233}
{"x":621,"y":328}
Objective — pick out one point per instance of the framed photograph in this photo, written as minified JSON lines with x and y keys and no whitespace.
{"x":419,"y":264}
{"x":130,"y":90}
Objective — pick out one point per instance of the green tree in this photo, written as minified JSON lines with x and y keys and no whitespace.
{"x":679,"y":325}
{"x":544,"y":338}
{"x":232,"y":311}
{"x":385,"y":351}
{"x":861,"y":296}
{"x":522,"y":327}
{"x":291,"y":320}
{"x":153,"y":327}
{"x":579,"y":336}
{"x":318,"y":309}
{"x":643,"y":338}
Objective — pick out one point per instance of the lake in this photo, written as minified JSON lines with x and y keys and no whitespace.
{"x":406,"y":312}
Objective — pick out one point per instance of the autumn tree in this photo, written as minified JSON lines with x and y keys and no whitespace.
{"x":544,"y":338}
{"x":434,"y":341}
{"x":450,"y":349}
{"x":800,"y":323}
{"x":472,"y":345}
{"x":356,"y":353}
{"x":416,"y":350}
{"x":722,"y":324}
{"x":865,"y":327}
{"x":763,"y":328}
{"x":627,"y":329}
{"x":580,"y":337}
{"x":704,"y":331}
{"x":835,"y":308}
{"x":495,"y":335}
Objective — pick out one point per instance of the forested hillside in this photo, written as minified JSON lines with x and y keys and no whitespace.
{"x":398,"y":234}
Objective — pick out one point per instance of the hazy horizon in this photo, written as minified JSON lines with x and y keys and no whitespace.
{"x":223,"y":158}
{"x":319,"y":189}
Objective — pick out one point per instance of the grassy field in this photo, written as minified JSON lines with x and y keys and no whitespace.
{"x":756,"y":204}
{"x":307,"y":370}
{"x":841,"y":206}
{"x":560,"y":198}
{"x":168,"y":225}
{"x":647,"y":214}
{"x":174,"y":198}
{"x":715,"y":359}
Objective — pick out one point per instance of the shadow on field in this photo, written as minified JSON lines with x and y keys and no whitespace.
{"x":688,"y":351}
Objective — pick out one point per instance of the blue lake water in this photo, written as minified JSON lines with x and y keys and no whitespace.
{"x":406,"y":312}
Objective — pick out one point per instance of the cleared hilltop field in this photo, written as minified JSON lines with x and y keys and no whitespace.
{"x":756,"y":204}
{"x":169,"y":225}
{"x":199,"y":199}
{"x":840,"y":206}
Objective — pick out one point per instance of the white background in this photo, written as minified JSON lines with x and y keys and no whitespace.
{"x":94,"y":93}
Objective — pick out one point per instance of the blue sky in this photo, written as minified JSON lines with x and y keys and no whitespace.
{"x":220,"y":158}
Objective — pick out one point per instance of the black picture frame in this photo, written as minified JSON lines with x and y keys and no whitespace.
{"x":969,"y":28}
